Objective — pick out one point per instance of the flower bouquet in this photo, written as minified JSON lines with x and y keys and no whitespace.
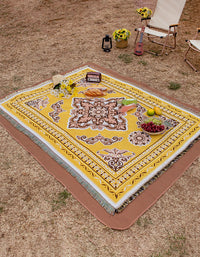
{"x":121,"y":37}
{"x":65,"y":88}
{"x":144,"y":12}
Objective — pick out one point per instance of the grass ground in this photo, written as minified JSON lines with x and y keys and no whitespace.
{"x":40,"y":38}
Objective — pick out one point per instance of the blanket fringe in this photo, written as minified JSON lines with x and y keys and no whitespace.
{"x":110,"y":209}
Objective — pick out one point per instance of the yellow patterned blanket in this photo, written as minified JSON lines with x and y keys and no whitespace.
{"x":105,"y":149}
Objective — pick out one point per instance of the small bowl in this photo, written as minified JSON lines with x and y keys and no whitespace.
{"x":151,"y":132}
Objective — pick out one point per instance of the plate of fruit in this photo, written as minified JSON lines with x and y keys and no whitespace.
{"x":153,"y":126}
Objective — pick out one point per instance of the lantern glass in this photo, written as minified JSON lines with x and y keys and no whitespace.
{"x":107,"y":43}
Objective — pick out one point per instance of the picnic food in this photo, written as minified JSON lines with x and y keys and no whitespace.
{"x":152,"y":125}
{"x":157,"y":110}
{"x":127,"y":108}
{"x":93,"y":92}
{"x":128,"y":101}
{"x":156,"y":121}
{"x":150,"y":112}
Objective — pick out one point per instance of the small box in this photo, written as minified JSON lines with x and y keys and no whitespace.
{"x":93,"y":77}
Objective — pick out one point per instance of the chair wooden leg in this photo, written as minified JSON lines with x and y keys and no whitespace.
{"x":185,"y":58}
{"x":158,"y":43}
{"x":165,"y":45}
{"x":187,"y":61}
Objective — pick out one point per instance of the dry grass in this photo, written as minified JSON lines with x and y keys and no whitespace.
{"x":41,"y":38}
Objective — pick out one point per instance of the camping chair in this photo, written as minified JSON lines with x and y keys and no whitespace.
{"x":163,"y":24}
{"x":194,"y":44}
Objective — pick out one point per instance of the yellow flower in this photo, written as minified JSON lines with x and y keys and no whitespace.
{"x":75,"y":92}
{"x":144,"y":12}
{"x":62,"y":86}
{"x":70,"y":82}
{"x":114,"y":35}
{"x":124,"y":36}
{"x":61,"y":95}
{"x":121,"y":34}
{"x":69,"y":89}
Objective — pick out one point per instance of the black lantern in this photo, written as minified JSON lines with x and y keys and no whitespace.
{"x":107,"y":43}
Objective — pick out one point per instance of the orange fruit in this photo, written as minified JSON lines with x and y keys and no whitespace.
{"x":150,"y":112}
{"x":157,"y":110}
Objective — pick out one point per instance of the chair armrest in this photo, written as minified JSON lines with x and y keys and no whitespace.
{"x":173,"y":25}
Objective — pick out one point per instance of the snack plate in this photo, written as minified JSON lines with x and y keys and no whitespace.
{"x":154,"y":133}
{"x":95,"y":92}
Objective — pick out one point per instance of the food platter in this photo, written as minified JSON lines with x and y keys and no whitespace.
{"x":153,"y":126}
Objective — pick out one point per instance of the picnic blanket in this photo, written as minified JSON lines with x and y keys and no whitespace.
{"x":105,"y":150}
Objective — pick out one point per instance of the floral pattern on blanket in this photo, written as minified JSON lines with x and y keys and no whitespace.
{"x":115,"y":158}
{"x":97,"y":113}
{"x":39,"y":103}
{"x":139,"y":138}
{"x":99,"y":138}
{"x":57,"y":110}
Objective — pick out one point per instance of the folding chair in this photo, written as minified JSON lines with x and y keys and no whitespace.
{"x":163,"y":24}
{"x":194,"y":44}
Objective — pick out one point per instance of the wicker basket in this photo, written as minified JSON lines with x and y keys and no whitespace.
{"x":122,"y":44}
